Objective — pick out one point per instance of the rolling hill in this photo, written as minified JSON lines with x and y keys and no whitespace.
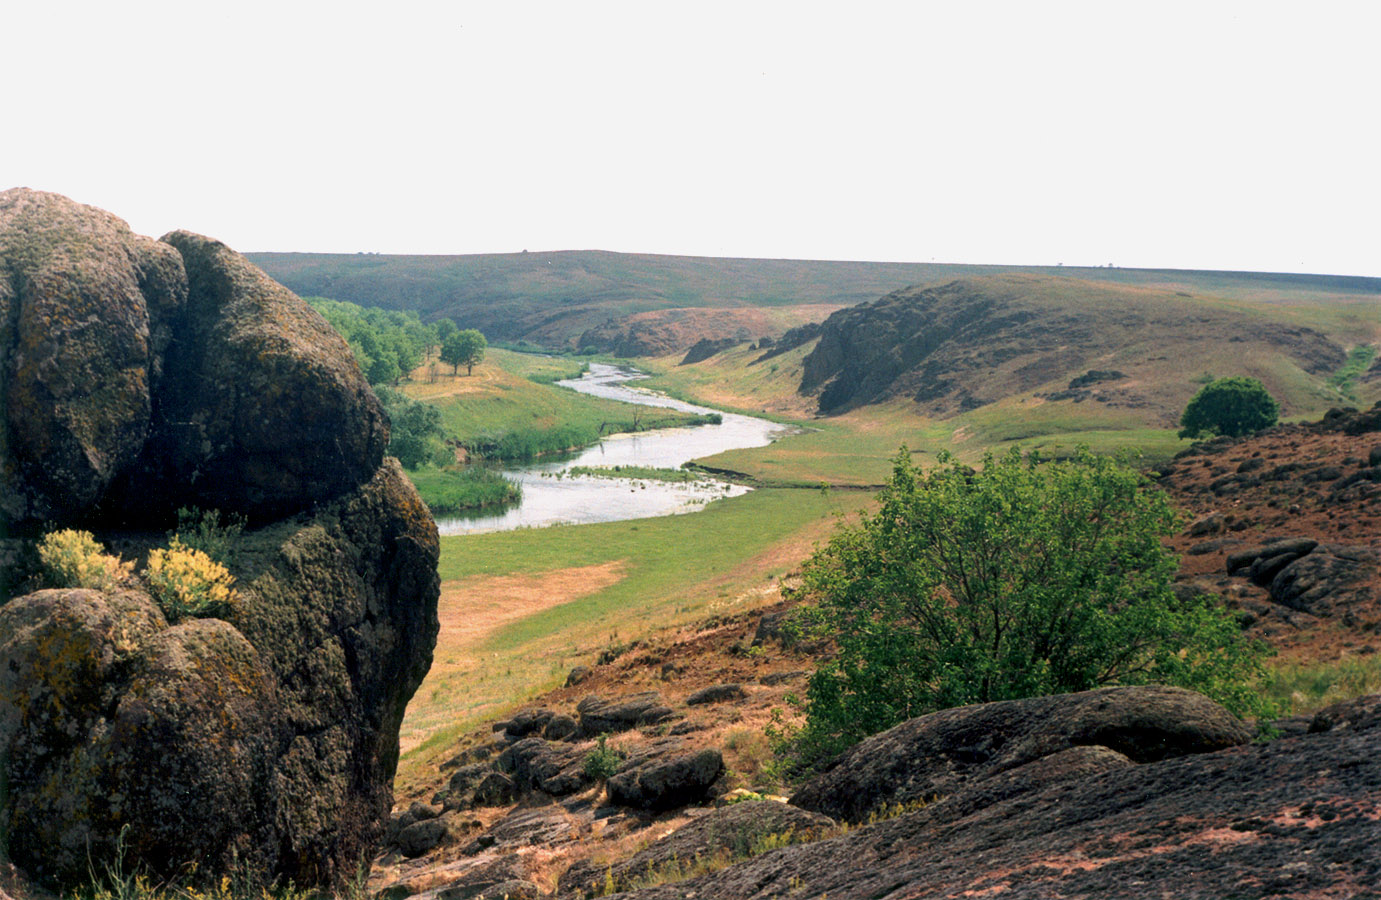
{"x":975,"y":341}
{"x":553,"y":299}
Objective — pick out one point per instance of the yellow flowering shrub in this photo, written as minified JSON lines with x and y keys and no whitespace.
{"x":188,"y":584}
{"x":75,"y":559}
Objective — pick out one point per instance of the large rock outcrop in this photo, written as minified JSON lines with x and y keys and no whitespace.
{"x":142,"y":376}
{"x":1295,"y":817}
{"x":935,"y":754}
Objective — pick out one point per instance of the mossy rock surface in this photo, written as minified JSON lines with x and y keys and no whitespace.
{"x":141,"y":376}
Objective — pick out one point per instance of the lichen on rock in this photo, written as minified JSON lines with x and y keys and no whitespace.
{"x":141,"y":376}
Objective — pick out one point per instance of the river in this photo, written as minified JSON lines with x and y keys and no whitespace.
{"x":552,"y":496}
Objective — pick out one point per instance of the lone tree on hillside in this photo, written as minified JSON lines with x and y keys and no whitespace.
{"x":1229,"y":406}
{"x":1019,"y":580}
{"x":464,"y":348}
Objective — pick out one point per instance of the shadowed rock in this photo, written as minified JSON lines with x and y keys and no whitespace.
{"x":86,"y":308}
{"x":662,"y":776}
{"x":933,"y":755}
{"x":600,"y":716}
{"x":266,"y":410}
{"x":270,"y":739}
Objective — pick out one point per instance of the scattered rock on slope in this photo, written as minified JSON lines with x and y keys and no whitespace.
{"x":704,"y":348}
{"x":731,"y":831}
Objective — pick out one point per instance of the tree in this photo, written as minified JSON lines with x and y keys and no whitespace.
{"x":416,"y":435}
{"x":1018,"y":580}
{"x":1229,"y":406}
{"x":464,"y":348}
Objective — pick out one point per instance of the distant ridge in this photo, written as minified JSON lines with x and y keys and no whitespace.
{"x":551,"y":298}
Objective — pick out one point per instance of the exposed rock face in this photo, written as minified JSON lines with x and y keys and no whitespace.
{"x":1295,"y":817}
{"x":731,"y":830}
{"x":265,"y":410}
{"x":85,"y":315}
{"x":166,"y":374}
{"x":935,"y":754}
{"x":704,"y":348}
{"x":145,"y":376}
{"x":665,"y":776}
{"x":600,"y":716}
{"x":555,"y":768}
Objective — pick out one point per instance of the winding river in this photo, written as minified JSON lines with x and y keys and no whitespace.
{"x":552,"y":496}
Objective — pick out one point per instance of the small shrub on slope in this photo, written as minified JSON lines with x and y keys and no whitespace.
{"x":602,"y":762}
{"x":204,"y":530}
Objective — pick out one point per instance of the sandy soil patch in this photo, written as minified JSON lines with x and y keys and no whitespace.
{"x":474,"y":608}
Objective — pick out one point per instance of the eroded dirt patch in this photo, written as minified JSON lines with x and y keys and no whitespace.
{"x":472,"y":609}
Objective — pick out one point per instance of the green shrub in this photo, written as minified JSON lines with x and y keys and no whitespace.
{"x":416,"y":436}
{"x":188,"y":584}
{"x":1229,"y":406}
{"x":74,"y":559}
{"x":602,"y":762}
{"x":1019,"y":580}
{"x":203,"y":529}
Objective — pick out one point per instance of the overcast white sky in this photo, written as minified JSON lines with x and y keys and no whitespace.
{"x":1190,"y":135}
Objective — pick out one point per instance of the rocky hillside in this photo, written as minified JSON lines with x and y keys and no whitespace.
{"x":664,"y":332}
{"x":141,"y":376}
{"x":977,"y":340}
{"x":1286,"y":526}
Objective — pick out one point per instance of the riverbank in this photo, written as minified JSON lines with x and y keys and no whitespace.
{"x":449,"y":492}
{"x":563,"y":493}
{"x":511,"y":408}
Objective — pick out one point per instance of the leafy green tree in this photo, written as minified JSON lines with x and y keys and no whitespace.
{"x":464,"y":348}
{"x":444,"y":329}
{"x":1229,"y":406}
{"x":388,"y":344}
{"x":416,"y":437}
{"x":1021,"y":579}
{"x":383,"y":368}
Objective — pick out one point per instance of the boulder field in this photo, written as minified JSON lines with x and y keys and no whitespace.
{"x":141,"y":376}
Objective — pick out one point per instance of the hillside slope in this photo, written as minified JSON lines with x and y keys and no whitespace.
{"x":978,"y":340}
{"x":552,"y":298}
